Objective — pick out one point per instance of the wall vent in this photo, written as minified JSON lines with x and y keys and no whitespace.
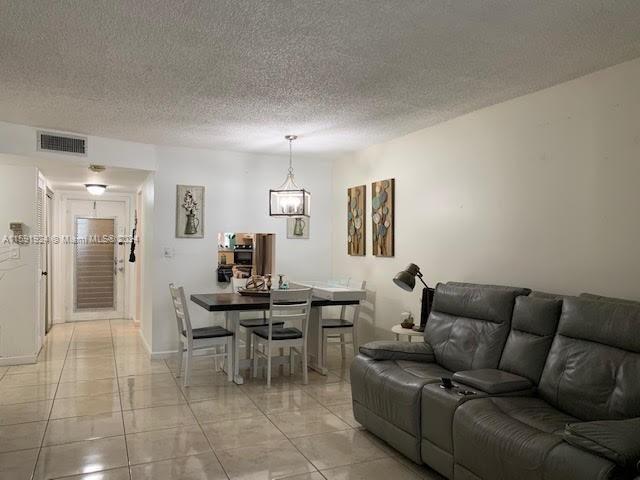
{"x":54,"y":142}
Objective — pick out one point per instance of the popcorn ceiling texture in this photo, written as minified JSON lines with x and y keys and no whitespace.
{"x":238,"y":75}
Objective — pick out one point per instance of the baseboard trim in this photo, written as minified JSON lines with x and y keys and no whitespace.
{"x":163,"y":355}
{"x":21,"y":360}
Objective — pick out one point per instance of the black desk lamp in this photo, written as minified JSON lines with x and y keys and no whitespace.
{"x":406,"y":280}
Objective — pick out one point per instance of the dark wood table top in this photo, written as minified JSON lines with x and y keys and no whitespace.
{"x":224,"y":302}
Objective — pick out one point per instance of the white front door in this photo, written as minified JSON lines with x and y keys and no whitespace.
{"x":96,"y":259}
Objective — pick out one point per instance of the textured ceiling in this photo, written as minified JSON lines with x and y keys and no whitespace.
{"x":238,"y":75}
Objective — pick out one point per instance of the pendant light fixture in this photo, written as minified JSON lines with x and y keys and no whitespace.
{"x":289,"y":200}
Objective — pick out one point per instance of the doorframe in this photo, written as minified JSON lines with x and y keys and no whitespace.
{"x":64,"y":264}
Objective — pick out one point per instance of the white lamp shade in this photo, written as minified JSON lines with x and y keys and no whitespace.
{"x":95,"y":188}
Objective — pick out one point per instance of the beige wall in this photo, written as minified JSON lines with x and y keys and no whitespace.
{"x":542,"y":191}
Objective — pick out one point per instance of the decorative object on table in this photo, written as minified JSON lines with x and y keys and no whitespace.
{"x":382,"y":215}
{"x":190,"y":211}
{"x":289,"y":200}
{"x":256,"y":282}
{"x":298,"y":227}
{"x":256,"y":286}
{"x":406,"y":279}
{"x":280,"y":280}
{"x":356,"y":220}
{"x":407,"y":320}
{"x":223,"y":259}
{"x":269,"y":283}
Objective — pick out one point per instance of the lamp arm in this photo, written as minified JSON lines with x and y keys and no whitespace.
{"x":419,"y":275}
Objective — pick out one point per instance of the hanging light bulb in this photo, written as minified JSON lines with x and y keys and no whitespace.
{"x":289,"y":200}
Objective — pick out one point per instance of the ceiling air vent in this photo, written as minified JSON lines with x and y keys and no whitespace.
{"x":54,"y":142}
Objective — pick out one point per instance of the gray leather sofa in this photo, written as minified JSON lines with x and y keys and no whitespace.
{"x":545,"y":387}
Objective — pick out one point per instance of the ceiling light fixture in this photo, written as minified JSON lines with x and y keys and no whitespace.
{"x":95,"y":188}
{"x":289,"y":200}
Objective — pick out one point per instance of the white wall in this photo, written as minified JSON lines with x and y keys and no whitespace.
{"x":18,"y":277}
{"x":145,"y":257}
{"x":541,"y":191}
{"x":236,"y":191}
{"x":22,"y":140}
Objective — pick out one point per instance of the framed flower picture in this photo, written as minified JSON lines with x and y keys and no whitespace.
{"x":190,"y":211}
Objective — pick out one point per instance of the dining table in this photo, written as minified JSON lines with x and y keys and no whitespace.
{"x":232,"y":304}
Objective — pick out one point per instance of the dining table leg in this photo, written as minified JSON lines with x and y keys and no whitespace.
{"x":317,"y":361}
{"x":233,"y":324}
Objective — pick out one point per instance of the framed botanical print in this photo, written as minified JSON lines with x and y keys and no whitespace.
{"x":190,"y":211}
{"x":382,"y":217}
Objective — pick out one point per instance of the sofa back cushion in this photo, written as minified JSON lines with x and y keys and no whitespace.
{"x":469,"y":324}
{"x":593,"y":296}
{"x":593,"y":368}
{"x":533,"y":327}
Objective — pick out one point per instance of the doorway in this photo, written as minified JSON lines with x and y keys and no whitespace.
{"x":96,"y":258}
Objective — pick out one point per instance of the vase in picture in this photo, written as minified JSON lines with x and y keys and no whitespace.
{"x":191,"y":227}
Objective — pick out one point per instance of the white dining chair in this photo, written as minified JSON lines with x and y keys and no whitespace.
{"x":205,"y":338}
{"x":287,"y":307}
{"x":252,"y":320}
{"x":336,"y":328}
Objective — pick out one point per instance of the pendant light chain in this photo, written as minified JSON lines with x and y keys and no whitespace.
{"x":291,"y":156}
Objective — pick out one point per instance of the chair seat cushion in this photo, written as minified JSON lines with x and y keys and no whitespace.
{"x":335,"y":323}
{"x":257,"y":322}
{"x":209,"y":332}
{"x":392,"y":389}
{"x":518,"y":437}
{"x":278,"y":333}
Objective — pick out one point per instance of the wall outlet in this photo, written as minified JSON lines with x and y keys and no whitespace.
{"x":168,"y":252}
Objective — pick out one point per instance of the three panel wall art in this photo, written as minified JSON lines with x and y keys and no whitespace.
{"x":382,"y":219}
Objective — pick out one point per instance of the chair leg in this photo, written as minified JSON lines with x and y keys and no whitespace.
{"x":179,"y":357}
{"x":354,"y":339}
{"x":229,"y":360}
{"x":247,"y":344}
{"x":343,"y":349}
{"x":292,"y":363}
{"x":325,"y":341}
{"x":187,"y":376}
{"x":305,"y":373}
{"x":269,"y":368}
{"x":254,"y":366}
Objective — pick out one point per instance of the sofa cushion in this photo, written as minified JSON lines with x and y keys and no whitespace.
{"x":593,"y":366}
{"x":617,"y":440}
{"x":533,"y":327}
{"x":468,"y":325}
{"x":503,"y":438}
{"x":392,"y":388}
{"x":602,"y":298}
{"x":389,"y":350}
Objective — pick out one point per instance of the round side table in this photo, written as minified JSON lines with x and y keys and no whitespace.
{"x":398,"y":330}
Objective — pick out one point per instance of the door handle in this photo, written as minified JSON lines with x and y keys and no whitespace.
{"x":44,"y":274}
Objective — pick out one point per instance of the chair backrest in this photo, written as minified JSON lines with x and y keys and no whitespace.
{"x":593,"y":367}
{"x":469,"y":324}
{"x":182,"y":312}
{"x":238,"y":283}
{"x":356,"y":307}
{"x":290,"y":306}
{"x":533,"y":327}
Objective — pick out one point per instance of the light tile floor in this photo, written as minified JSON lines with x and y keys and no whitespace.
{"x":96,"y":407}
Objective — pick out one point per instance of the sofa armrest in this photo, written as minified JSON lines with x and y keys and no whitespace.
{"x":617,"y":440}
{"x":491,"y":380}
{"x":385,"y":350}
